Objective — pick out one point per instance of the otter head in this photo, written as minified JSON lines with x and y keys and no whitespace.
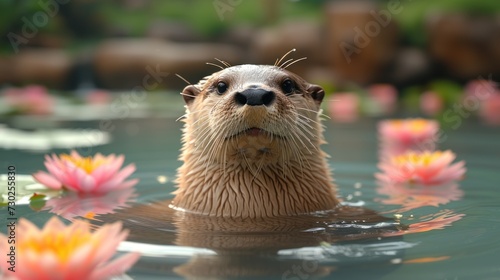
{"x":253,"y":115}
{"x":251,"y":128}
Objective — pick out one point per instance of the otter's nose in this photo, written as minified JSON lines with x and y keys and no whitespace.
{"x":254,"y":97}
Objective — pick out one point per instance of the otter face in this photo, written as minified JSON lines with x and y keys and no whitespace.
{"x":253,"y":114}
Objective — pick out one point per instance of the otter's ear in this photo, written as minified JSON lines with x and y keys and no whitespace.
{"x":189,"y":93}
{"x":317,"y":93}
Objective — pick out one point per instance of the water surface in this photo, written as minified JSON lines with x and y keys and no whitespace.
{"x":447,"y":232}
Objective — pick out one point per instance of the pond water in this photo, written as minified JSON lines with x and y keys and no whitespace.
{"x":448,"y":232}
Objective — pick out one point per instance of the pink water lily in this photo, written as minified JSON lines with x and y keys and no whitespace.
{"x":490,"y":109}
{"x":422,"y":168}
{"x":402,"y":135}
{"x":32,"y":99}
{"x":431,"y":103}
{"x":385,"y":96}
{"x":344,"y":107}
{"x":58,"y":251}
{"x":98,"y":174}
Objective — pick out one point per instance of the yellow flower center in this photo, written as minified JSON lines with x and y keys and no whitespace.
{"x":418,"y":125}
{"x":415,"y":125}
{"x":89,"y":215}
{"x":61,"y":244}
{"x":425,"y":158}
{"x":88,"y":164}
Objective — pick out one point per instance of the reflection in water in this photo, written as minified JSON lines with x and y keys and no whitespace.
{"x":311,"y":245}
{"x":72,"y":205}
{"x":427,"y":259}
{"x":294,"y":247}
{"x":411,"y":197}
{"x":435,"y":221}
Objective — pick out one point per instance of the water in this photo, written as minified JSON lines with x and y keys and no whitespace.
{"x":449,"y":232}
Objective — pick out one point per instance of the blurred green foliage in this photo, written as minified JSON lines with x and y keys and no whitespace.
{"x":202,"y":15}
{"x":110,"y":17}
{"x":414,"y":13}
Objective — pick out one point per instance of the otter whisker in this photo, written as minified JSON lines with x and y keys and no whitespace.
{"x":197,"y":111}
{"x":293,"y":62}
{"x":322,"y":115}
{"x":182,"y":78}
{"x":297,"y":136}
{"x":181,"y":117}
{"x":247,"y":163}
{"x":220,"y":138}
{"x":297,"y":151}
{"x":205,"y":138}
{"x":224,"y":159}
{"x":293,"y":131}
{"x":291,"y":59}
{"x":259,"y":168}
{"x":283,"y":57}
{"x":188,"y":95}
{"x":305,"y":136}
{"x":226,"y":147}
{"x":202,"y":132}
{"x":290,"y":152}
{"x":204,"y":129}
{"x":214,"y":138}
{"x":318,"y":113}
{"x":201,"y":129}
{"x":306,"y":127}
{"x":216,"y":65}
{"x":223,"y":62}
{"x":307,"y":120}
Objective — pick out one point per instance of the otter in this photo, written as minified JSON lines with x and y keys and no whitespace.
{"x":251,"y":146}
{"x":252,"y":180}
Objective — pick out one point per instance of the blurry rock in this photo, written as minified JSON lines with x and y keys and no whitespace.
{"x":48,"y":67}
{"x":271,"y":44}
{"x":322,"y":75}
{"x":466,"y":45}
{"x":42,"y":40}
{"x":410,"y":66}
{"x":152,"y":64}
{"x":240,"y":35}
{"x":361,"y":38}
{"x":172,"y":31}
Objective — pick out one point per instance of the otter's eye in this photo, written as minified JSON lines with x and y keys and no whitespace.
{"x":287,"y":86}
{"x":221,"y":87}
